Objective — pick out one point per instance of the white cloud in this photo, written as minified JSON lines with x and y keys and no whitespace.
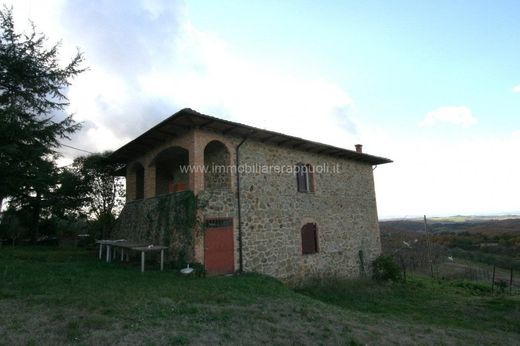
{"x":440,"y":176}
{"x":516,"y":89}
{"x":456,"y":115}
{"x":147,"y":60}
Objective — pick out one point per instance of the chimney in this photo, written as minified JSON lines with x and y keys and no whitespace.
{"x":359,"y":148}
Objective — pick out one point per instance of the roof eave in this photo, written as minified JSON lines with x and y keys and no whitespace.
{"x":128,"y":151}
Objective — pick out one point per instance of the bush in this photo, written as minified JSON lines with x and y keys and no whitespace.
{"x":198,"y":269}
{"x":475,"y":288}
{"x":384,"y":268}
{"x":501,"y":286}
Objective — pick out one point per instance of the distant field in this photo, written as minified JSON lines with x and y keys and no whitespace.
{"x":454,"y":224}
{"x":475,"y":271}
{"x":53,"y":296}
{"x":461,"y":248}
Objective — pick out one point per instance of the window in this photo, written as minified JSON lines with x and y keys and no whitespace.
{"x":309,"y":239}
{"x":304,"y":177}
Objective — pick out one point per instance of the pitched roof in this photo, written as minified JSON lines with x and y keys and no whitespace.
{"x":187,"y":119}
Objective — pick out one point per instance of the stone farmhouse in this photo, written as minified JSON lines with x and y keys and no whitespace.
{"x":274,"y":204}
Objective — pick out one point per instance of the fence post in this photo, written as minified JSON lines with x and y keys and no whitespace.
{"x":403,"y":266}
{"x":429,"y":246}
{"x":493,"y":280}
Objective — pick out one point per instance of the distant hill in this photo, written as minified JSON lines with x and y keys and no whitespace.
{"x":455,"y":224}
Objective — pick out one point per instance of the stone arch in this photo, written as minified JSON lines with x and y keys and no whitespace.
{"x":137,"y":171}
{"x":217,"y":163}
{"x":305,"y":220}
{"x":171,"y":173}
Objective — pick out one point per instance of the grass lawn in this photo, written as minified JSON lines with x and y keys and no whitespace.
{"x":56,"y":296}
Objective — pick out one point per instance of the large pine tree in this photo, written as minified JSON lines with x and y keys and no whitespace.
{"x":32,"y":118}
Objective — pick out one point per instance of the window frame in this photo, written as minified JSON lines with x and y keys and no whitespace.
{"x":305,"y":178}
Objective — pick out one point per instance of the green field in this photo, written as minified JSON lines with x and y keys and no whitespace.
{"x":55,"y":296}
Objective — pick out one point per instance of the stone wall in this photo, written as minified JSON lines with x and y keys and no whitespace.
{"x":343,"y":206}
{"x":216,"y":160}
{"x":159,"y":221}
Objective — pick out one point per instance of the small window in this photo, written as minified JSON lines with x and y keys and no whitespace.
{"x":309,"y":239}
{"x":304,"y":177}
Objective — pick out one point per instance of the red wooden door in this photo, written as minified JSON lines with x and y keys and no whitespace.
{"x":218,"y":247}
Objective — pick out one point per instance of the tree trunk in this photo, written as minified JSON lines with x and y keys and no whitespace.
{"x":35,"y":224}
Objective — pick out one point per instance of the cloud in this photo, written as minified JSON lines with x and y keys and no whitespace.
{"x":446,"y":176}
{"x":147,"y":60}
{"x":456,"y":115}
{"x":516,"y":89}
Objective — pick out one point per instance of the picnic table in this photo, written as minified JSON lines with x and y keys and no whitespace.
{"x":112,"y":245}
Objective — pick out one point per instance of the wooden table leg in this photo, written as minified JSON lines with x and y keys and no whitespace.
{"x":142,"y":261}
{"x":108,"y":253}
{"x":122,"y":254}
{"x":162,"y":260}
{"x":100,"y":251}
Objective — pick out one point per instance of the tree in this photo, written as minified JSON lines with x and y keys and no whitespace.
{"x":91,"y":188}
{"x":32,"y":102}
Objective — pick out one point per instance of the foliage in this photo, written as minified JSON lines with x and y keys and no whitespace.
{"x":32,"y":101}
{"x":177,"y":216}
{"x":472,"y":287}
{"x":487,"y":258}
{"x":384,"y":268}
{"x":90,"y":188}
{"x":168,"y":219}
{"x":492,"y":242}
{"x":501,"y":244}
{"x":501,"y":286}
{"x":14,"y":224}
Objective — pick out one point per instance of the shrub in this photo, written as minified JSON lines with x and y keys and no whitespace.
{"x":501,"y":286}
{"x":198,"y":269}
{"x":475,"y":288}
{"x":384,"y":268}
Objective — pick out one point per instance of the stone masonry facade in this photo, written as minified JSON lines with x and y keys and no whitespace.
{"x":342,"y":205}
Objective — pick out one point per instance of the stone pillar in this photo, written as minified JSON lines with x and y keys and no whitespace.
{"x":197,"y":185}
{"x":198,"y":246}
{"x":130,"y":185}
{"x":149,"y":181}
{"x":232,"y":163}
{"x":197,"y":162}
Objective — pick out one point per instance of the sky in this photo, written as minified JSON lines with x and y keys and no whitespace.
{"x":432,"y":85}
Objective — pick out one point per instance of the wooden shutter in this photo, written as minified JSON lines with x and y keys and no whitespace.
{"x":309,"y":239}
{"x":301,"y":178}
{"x":309,"y":178}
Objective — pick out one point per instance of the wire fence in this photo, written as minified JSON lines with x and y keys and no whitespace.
{"x":442,"y":264}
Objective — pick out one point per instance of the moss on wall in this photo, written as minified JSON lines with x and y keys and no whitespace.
{"x":164,"y":220}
